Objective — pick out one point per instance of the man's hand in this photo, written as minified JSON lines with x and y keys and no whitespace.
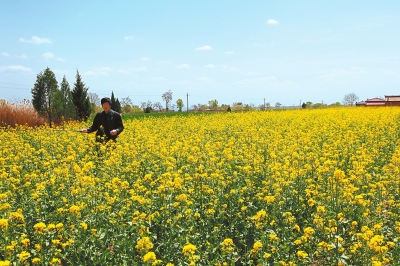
{"x":113,"y":132}
{"x":84,"y":130}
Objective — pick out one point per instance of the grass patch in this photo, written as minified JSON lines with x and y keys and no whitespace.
{"x":169,"y":114}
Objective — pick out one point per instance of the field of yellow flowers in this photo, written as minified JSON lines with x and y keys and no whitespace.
{"x":301,"y":187}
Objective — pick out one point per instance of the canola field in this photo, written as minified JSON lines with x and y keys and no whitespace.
{"x":301,"y":187}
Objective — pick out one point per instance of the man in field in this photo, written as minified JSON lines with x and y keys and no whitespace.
{"x":107,"y":123}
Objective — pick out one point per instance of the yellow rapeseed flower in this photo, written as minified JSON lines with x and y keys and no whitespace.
{"x":189,"y":249}
{"x":4,"y":224}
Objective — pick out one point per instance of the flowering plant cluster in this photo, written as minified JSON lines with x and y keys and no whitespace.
{"x":301,"y":187}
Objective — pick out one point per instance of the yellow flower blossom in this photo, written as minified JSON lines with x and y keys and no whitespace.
{"x":39,"y":227}
{"x":4,"y":224}
{"x":189,"y":249}
{"x":144,"y":244}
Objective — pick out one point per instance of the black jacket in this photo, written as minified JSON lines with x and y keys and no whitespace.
{"x":105,"y":122}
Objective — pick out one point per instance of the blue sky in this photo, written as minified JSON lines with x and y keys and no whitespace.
{"x":232,"y":51}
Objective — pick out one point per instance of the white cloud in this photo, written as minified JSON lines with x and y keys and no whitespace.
{"x":228,"y":68}
{"x":204,"y":48}
{"x":130,"y":37}
{"x":251,"y":73}
{"x":204,"y":79}
{"x":145,"y":58}
{"x":270,"y":78}
{"x":22,"y":56}
{"x":159,"y":78}
{"x":89,"y":73}
{"x":5,"y":54}
{"x":183,"y":66}
{"x":48,"y":55}
{"x":387,"y":72}
{"x":210,"y":66}
{"x":14,"y":69}
{"x":123,"y":71}
{"x":272,"y":22}
{"x":142,"y":68}
{"x":256,"y":80}
{"x":340,"y":75}
{"x":103,"y":71}
{"x":35,"y":40}
{"x":229,"y":52}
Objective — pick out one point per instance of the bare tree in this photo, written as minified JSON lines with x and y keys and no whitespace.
{"x":350,"y":99}
{"x":278,"y":105}
{"x":94,"y":98}
{"x":149,"y":104}
{"x":143,"y":105}
{"x":194,"y":107}
{"x":126,"y":101}
{"x":167,"y":97}
{"x":158,"y":106}
{"x":202,"y":107}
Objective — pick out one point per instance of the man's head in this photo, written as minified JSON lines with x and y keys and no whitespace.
{"x":106,"y":104}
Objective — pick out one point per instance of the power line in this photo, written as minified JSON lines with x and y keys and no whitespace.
{"x":2,"y":87}
{"x":13,"y":84}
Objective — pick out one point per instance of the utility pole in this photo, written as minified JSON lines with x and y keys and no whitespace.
{"x":187,"y":102}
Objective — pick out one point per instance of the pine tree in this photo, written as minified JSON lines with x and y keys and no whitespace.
{"x":112,"y":100}
{"x":80,"y":98}
{"x":38,"y":100}
{"x":43,"y":92}
{"x":65,"y":105}
{"x":115,"y":104}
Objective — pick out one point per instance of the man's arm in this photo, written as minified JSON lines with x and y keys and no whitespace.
{"x":95,"y":126}
{"x":118,"y":124}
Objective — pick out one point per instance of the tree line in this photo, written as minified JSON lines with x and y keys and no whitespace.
{"x":57,"y":101}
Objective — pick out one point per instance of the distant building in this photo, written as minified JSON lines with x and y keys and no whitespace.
{"x":375,"y":102}
{"x":390,"y":100}
{"x":361,"y":103}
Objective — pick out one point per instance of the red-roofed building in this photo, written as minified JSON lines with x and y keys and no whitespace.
{"x":392,"y":100}
{"x":375,"y":102}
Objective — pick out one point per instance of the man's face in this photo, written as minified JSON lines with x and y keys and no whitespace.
{"x":106,"y":106}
